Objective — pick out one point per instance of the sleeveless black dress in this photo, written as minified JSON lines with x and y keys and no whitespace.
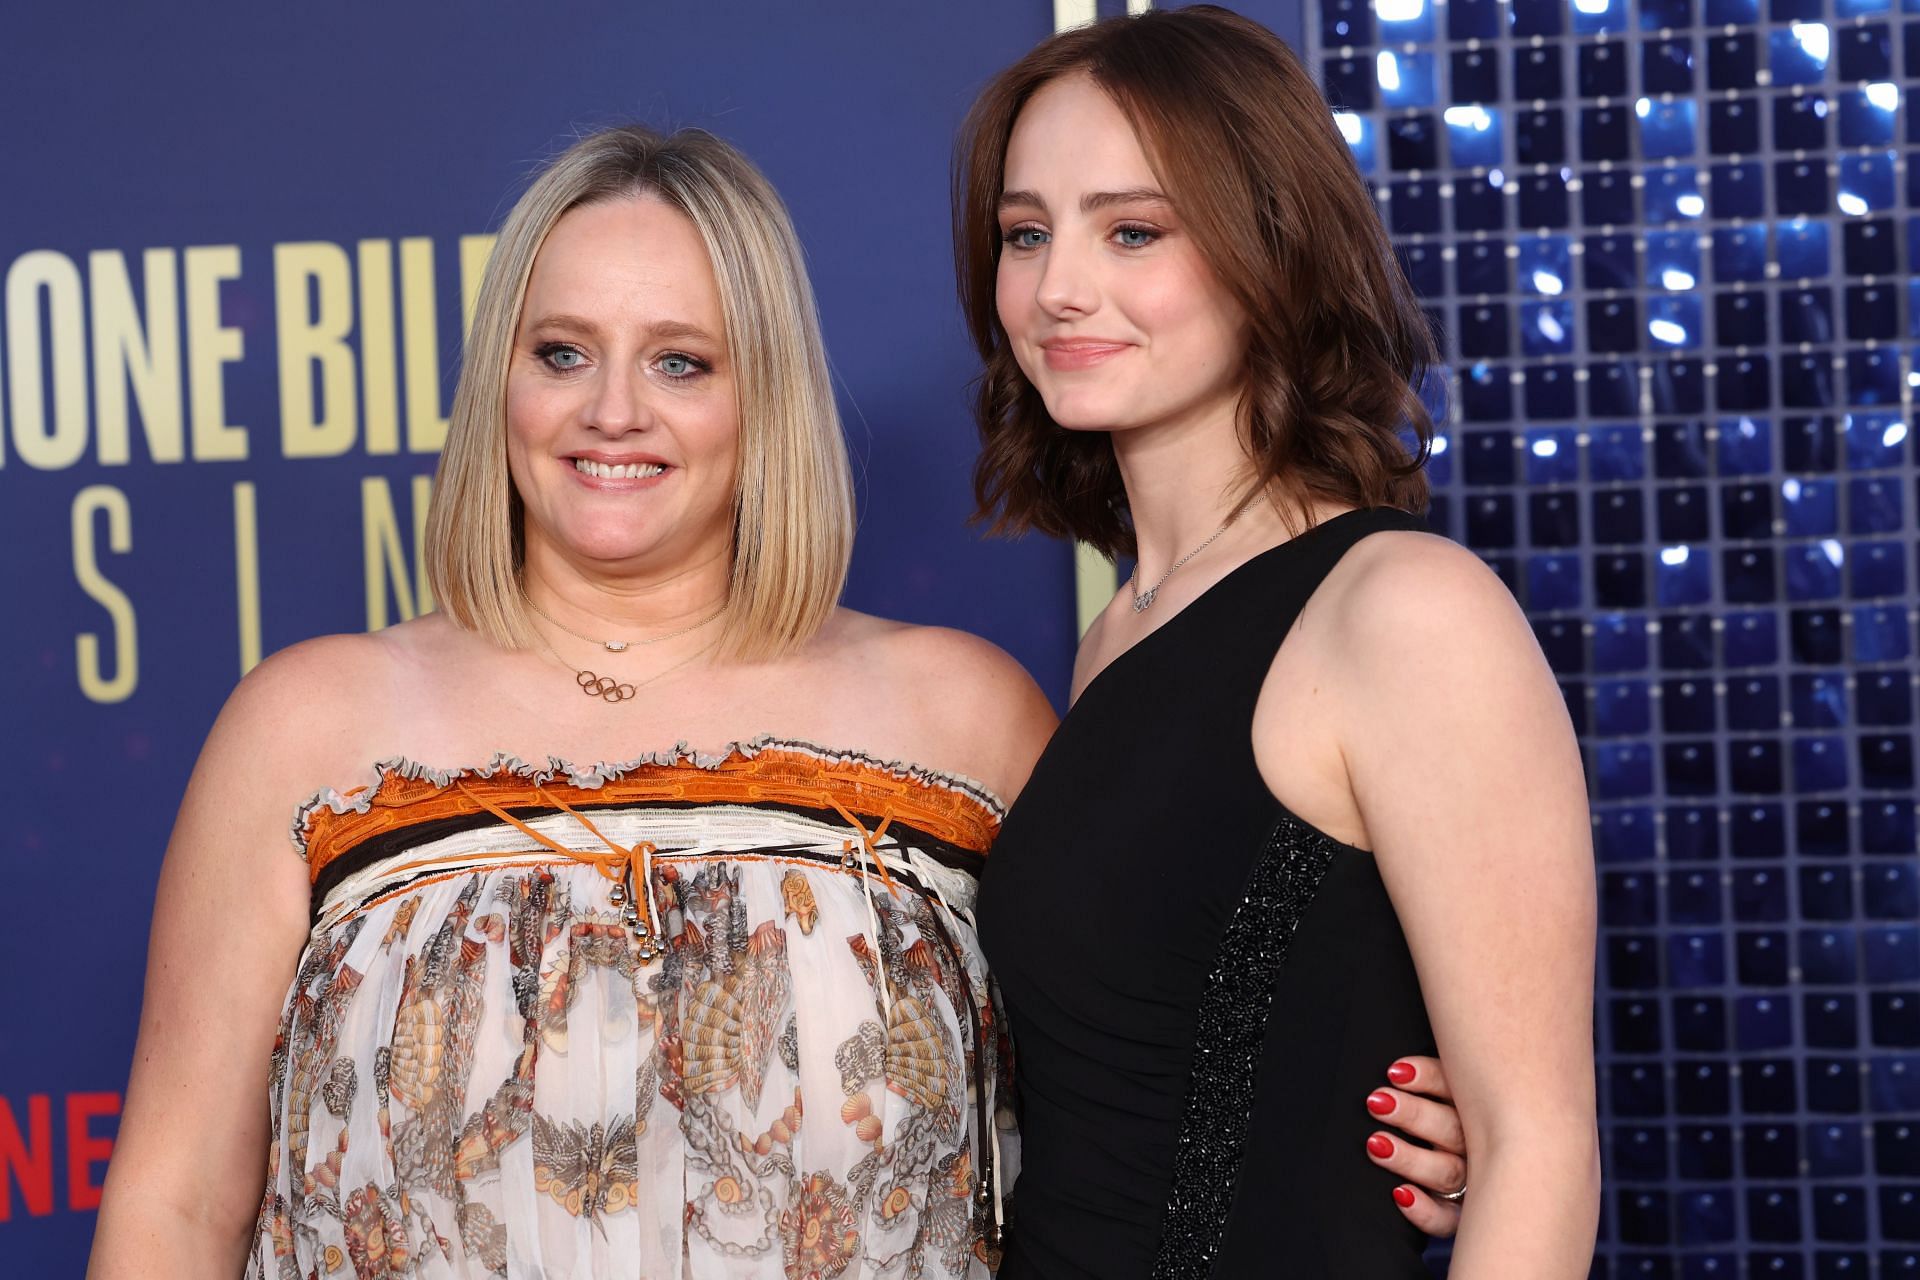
{"x":1202,"y":988}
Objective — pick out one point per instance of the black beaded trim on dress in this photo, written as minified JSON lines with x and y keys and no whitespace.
{"x":1229,"y":1038}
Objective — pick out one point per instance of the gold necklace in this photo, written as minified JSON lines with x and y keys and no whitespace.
{"x":620,"y":646}
{"x":606,"y":688}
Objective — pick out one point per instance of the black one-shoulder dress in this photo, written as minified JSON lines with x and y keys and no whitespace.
{"x":1201,"y":986}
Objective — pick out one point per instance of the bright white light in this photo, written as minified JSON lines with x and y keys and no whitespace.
{"x":1388,"y":68}
{"x":1814,"y":38}
{"x":1349,"y":125}
{"x":1790,"y":490}
{"x":1836,"y":554}
{"x":1884,"y":96}
{"x":1894,"y":435}
{"x":1691,"y":206}
{"x":1642,"y":107}
{"x":1674,"y":278}
{"x":1851,"y":203}
{"x":1913,"y":379}
{"x":1401,"y":10}
{"x":1439,"y":446}
{"x":1549,"y":325}
{"x":1545,"y":448}
{"x":1666,"y":331}
{"x":1673,"y":555}
{"x":1820,"y":108}
{"x":1495,"y":178}
{"x":1592,"y":6}
{"x":1548,"y":283}
{"x":1474,"y":118}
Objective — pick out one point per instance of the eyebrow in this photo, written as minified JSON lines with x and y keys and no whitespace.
{"x":1090,"y":202}
{"x":661,"y":329}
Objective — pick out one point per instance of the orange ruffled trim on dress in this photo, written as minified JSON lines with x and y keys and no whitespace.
{"x":763,"y":771}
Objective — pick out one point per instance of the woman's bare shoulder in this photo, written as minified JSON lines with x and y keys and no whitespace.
{"x":1419,"y":583}
{"x":966,"y":703}
{"x":309,"y":715}
{"x":1418,"y":619}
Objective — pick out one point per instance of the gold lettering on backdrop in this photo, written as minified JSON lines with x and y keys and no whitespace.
{"x":246,"y":573}
{"x":384,"y":553}
{"x":426,"y":429}
{"x":47,"y":442}
{"x":94,"y":683}
{"x":210,"y":345}
{"x":313,"y":306}
{"x":129,"y":347}
{"x":379,"y":383}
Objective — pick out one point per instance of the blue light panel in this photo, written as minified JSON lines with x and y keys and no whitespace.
{"x":1667,"y":248}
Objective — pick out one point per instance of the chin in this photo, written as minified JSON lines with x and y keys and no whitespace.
{"x":1079,"y":412}
{"x":1112,"y":423}
{"x":610,"y":545}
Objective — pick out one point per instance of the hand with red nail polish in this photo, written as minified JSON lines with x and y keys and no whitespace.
{"x":1427,"y":1148}
{"x":1403,"y":1196}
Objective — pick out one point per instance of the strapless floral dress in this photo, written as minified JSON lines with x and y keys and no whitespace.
{"x":686,"y":1016}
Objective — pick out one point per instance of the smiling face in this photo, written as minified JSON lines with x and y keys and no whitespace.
{"x":622,"y":422}
{"x":1110,"y":307}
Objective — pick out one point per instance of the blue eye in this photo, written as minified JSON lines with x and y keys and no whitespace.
{"x":1136,"y":237}
{"x":675,"y":365}
{"x":1026,"y":237}
{"x":560,"y":357}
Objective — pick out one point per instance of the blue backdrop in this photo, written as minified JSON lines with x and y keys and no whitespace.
{"x":210,"y":210}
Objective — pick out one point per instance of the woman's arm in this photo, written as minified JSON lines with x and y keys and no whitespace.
{"x":230,"y":917}
{"x":1470,"y":784}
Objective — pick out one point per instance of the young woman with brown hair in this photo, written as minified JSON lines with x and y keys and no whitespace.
{"x":1246,"y":872}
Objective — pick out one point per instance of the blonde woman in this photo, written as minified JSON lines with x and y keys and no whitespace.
{"x":707,"y":1011}
{"x":540,"y":1014}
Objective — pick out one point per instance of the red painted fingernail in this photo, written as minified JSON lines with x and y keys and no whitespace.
{"x":1401,"y":1073}
{"x":1403,"y":1197}
{"x":1380,"y":1145}
{"x":1381,"y":1103}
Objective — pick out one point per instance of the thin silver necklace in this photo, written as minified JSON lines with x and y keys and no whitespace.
{"x":1143,"y":599}
{"x":621,"y":646}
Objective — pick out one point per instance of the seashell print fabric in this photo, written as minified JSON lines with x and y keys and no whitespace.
{"x":483,"y":1070}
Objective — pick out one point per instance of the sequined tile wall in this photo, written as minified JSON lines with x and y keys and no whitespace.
{"x":1667,"y":247}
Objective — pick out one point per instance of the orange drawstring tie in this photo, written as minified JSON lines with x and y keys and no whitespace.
{"x":615,"y":863}
{"x":868,"y":839}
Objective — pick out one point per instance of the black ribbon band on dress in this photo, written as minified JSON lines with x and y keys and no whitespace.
{"x":389,"y":844}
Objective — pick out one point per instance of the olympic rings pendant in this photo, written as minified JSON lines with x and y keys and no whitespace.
{"x":603,"y":687}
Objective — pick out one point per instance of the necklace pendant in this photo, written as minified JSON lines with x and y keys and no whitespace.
{"x":1145,"y":598}
{"x":614,"y":646}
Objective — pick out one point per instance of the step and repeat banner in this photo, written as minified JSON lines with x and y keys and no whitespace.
{"x":235,"y":243}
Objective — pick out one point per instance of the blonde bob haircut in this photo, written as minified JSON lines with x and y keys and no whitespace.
{"x":793,"y":492}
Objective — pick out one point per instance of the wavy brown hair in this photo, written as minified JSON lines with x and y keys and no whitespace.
{"x":1248,"y":152}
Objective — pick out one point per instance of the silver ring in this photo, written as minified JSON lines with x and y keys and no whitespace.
{"x":1453,"y":1197}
